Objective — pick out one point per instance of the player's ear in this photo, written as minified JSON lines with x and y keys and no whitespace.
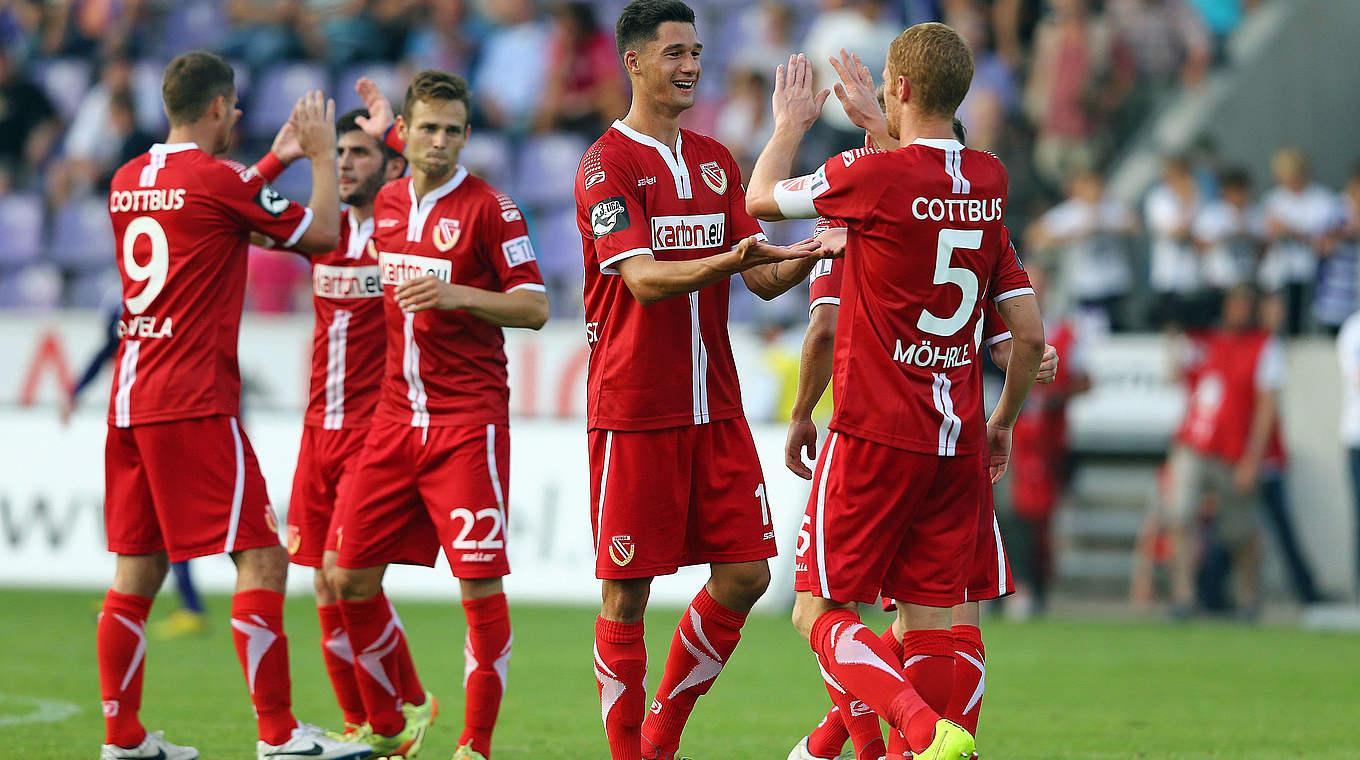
{"x":630,"y":62}
{"x":903,"y":88}
{"x":401,"y":128}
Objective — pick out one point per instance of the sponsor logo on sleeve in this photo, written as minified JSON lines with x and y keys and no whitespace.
{"x":820,"y":269}
{"x":714,"y":177}
{"x":594,"y":179}
{"x":396,"y":268}
{"x":670,"y":233}
{"x":819,"y":183}
{"x":269,"y":199}
{"x":622,"y":550}
{"x":445,"y":234}
{"x":511,"y":215}
{"x":346,"y":282}
{"x":518,"y":251}
{"x":609,"y":215}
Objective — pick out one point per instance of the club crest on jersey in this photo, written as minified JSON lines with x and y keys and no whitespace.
{"x":609,"y":215}
{"x":294,"y":539}
{"x":622,"y":550}
{"x":445,"y":234}
{"x":271,"y":519}
{"x":714,"y":177}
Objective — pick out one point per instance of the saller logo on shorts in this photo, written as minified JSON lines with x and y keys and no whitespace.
{"x":609,"y":215}
{"x":346,"y":282}
{"x":671,"y":233}
{"x":397,"y":268}
{"x":622,"y":550}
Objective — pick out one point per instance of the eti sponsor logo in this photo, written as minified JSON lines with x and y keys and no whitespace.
{"x":271,"y":201}
{"x":396,"y":268}
{"x":609,"y":215}
{"x":594,"y":179}
{"x":714,"y":177}
{"x":518,"y":251}
{"x":294,"y":538}
{"x":622,"y":550}
{"x":671,"y":233}
{"x":346,"y":282}
{"x":445,"y":234}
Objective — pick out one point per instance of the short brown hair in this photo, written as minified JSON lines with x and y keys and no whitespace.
{"x":191,"y":83}
{"x":432,"y":85}
{"x":937,"y":63}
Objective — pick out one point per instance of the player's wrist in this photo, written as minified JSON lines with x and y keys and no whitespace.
{"x":270,"y":166}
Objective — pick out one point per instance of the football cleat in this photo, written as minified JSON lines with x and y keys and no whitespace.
{"x":951,"y":742}
{"x":407,"y":742}
{"x":311,"y":743}
{"x":800,"y":751}
{"x":179,"y":624}
{"x":153,"y":747}
{"x":354,"y":732}
{"x":466,"y":752}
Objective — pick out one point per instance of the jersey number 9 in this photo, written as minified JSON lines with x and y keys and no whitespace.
{"x":155,"y":272}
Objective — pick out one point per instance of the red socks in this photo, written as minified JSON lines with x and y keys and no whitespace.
{"x":929,"y":664}
{"x":257,"y":629}
{"x":830,"y":735}
{"x":486,"y":654}
{"x":970,"y":677}
{"x":339,"y":658}
{"x":382,"y":662}
{"x":120,"y":640}
{"x":859,"y":661}
{"x":621,"y":676}
{"x":703,"y":642}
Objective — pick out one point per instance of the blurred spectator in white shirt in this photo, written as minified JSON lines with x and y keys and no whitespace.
{"x":508,"y":82}
{"x":1298,"y":215}
{"x":1228,"y":233}
{"x":767,"y":35}
{"x":1336,"y":295}
{"x":1088,"y":234}
{"x":1174,"y":271}
{"x":1348,"y":354}
{"x":858,"y":27}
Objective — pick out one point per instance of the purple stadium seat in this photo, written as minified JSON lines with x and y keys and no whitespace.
{"x":146,"y":89}
{"x":36,"y":286}
{"x":552,"y":156}
{"x":93,"y":289}
{"x":21,"y":224}
{"x":65,"y":80}
{"x":191,"y":25}
{"x":273,"y":97}
{"x":488,"y":155}
{"x":82,"y":236}
{"x":389,"y":80}
{"x":557,"y":241}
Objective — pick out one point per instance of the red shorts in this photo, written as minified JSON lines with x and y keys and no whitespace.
{"x":663,"y":499}
{"x":881,"y":519}
{"x":326,"y":463}
{"x":188,"y":487}
{"x":419,"y":489}
{"x":989,"y":577}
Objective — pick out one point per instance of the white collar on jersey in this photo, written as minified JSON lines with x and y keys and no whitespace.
{"x":949,"y":144}
{"x":674,"y":160}
{"x":420,"y":210}
{"x":359,"y":234}
{"x":167,"y":148}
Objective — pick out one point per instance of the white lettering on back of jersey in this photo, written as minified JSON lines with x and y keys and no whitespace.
{"x":671,"y":233}
{"x":957,"y":209}
{"x":397,"y":268}
{"x":346,"y":282}
{"x":155,"y":199}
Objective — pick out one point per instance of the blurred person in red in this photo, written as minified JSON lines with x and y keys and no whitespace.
{"x":585,"y":91}
{"x":1039,"y":459}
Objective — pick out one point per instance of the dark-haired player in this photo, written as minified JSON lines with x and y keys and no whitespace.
{"x":675,"y":479}
{"x":895,"y":503}
{"x":456,"y":266}
{"x":181,"y":480}
{"x":347,"y":362}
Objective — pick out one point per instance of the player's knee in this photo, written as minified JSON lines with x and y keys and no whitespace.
{"x":265,"y":567}
{"x":625,"y":601}
{"x":355,"y":585}
{"x":140,"y":575}
{"x":741,"y":586}
{"x":804,"y":615}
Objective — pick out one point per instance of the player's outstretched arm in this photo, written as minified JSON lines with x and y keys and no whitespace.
{"x":796,"y":107}
{"x":650,"y":280}
{"x":814,"y":374}
{"x":313,"y":122}
{"x":524,"y":307}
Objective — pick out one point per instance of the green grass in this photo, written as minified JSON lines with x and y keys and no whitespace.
{"x":1054,"y":689}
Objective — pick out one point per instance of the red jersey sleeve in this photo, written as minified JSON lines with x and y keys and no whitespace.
{"x":255,"y":205}
{"x":613,"y":205}
{"x":1009,"y":278}
{"x":824,"y":284}
{"x":847,"y":186}
{"x":993,"y":327}
{"x":508,"y":246}
{"x":825,"y":223}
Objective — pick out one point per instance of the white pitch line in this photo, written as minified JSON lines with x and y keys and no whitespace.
{"x":40,"y":710}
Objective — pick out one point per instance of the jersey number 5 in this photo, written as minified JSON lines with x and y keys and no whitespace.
{"x":155,"y":272}
{"x":964,"y":279}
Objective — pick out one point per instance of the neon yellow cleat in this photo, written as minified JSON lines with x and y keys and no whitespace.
{"x":465,"y":752}
{"x":952,"y":741}
{"x":354,"y":732}
{"x":406,"y":744}
{"x":180,"y":624}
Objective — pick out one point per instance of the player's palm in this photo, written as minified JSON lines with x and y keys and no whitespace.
{"x":286,"y":145}
{"x":833,"y":242}
{"x":857,"y":94}
{"x":802,"y":437}
{"x":796,"y":103}
{"x":313,"y":121}
{"x":756,"y":252}
{"x":380,"y":115}
{"x":998,"y":451}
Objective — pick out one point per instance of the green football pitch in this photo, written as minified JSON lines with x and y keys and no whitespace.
{"x":1055,"y":689}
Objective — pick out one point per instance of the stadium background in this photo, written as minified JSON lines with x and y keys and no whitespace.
{"x":1113,"y":86}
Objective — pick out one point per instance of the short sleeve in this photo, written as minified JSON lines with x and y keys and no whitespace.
{"x":613,"y":209}
{"x":824,"y":284}
{"x":257,"y":206}
{"x":1008,"y":278}
{"x":840,"y":188}
{"x":993,"y":327}
{"x":508,"y":246}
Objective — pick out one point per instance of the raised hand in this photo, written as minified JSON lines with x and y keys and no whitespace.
{"x":380,"y":115}
{"x":860,"y":99}
{"x":286,"y":145}
{"x":796,"y":105}
{"x":313,"y":122}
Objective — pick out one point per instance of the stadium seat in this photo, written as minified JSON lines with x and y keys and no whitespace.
{"x":196,"y":24}
{"x":37,"y":286}
{"x":82,"y":236}
{"x":389,"y":80}
{"x":488,"y":155}
{"x":93,"y":289}
{"x":146,"y":88}
{"x":543,"y":156}
{"x":557,"y":242}
{"x":65,"y":80}
{"x":272,"y":98}
{"x":21,"y":223}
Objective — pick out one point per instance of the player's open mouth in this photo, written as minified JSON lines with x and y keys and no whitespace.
{"x":687,"y":86}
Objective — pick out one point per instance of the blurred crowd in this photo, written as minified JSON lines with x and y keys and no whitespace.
{"x":1059,"y":85}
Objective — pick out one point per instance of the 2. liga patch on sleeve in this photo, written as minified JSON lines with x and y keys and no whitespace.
{"x":269,"y":199}
{"x":609,"y":215}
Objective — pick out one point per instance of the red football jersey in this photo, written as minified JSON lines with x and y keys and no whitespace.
{"x":448,"y":367}
{"x":1236,"y":366}
{"x":670,"y":363}
{"x":926,"y":246}
{"x":182,"y":221}
{"x":348,"y":340}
